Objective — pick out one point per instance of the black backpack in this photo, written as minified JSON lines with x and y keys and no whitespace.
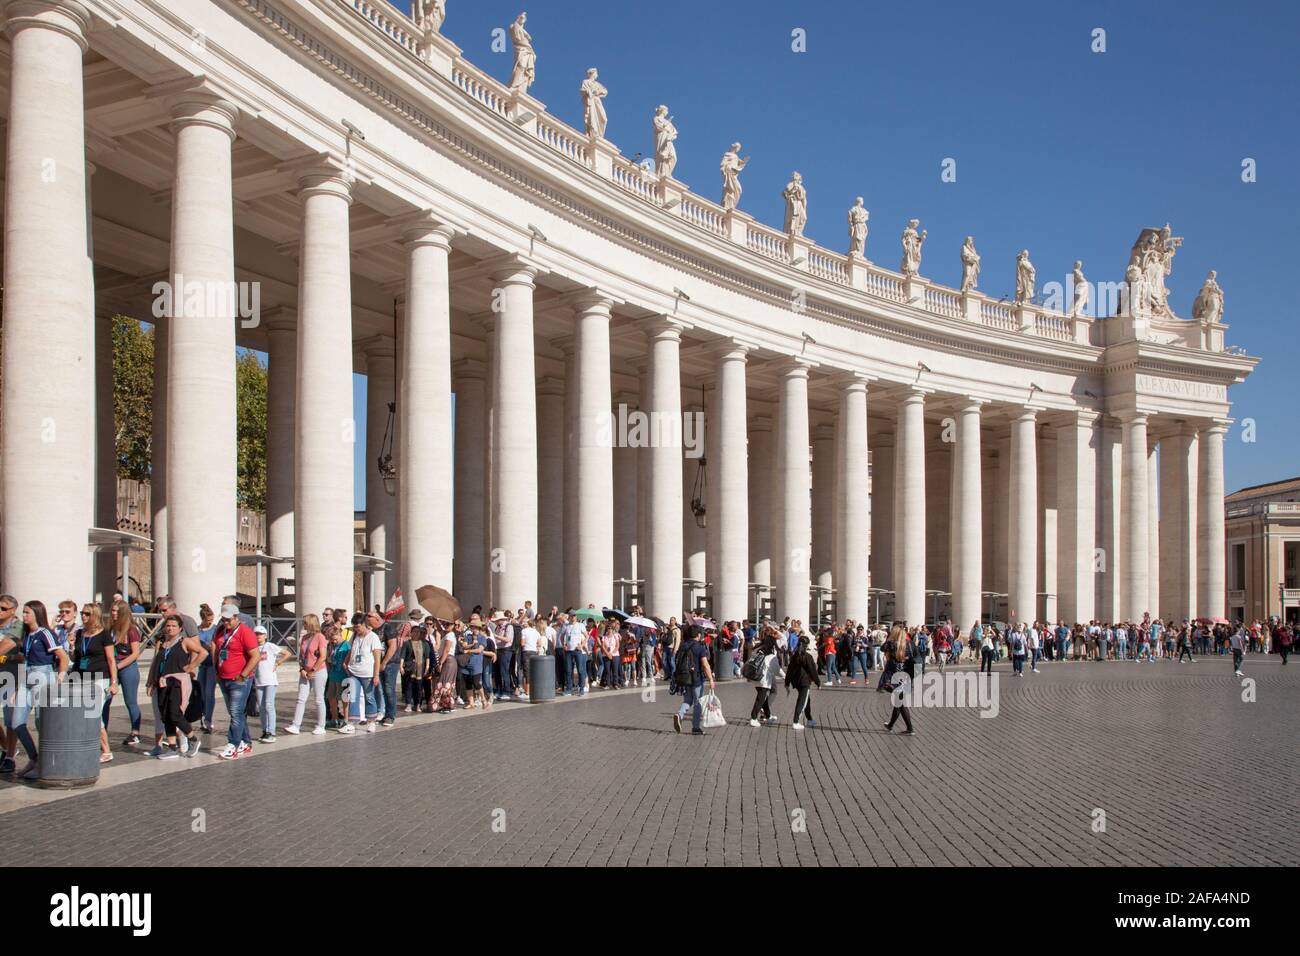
{"x":753,"y":666}
{"x":685,"y":667}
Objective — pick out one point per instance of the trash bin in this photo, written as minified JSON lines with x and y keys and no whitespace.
{"x":726,"y":666}
{"x":68,"y":724}
{"x":541,"y":678}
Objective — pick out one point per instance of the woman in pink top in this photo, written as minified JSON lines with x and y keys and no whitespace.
{"x":311,"y":674}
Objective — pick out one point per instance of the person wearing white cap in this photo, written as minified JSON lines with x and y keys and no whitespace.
{"x":272,"y":656}
{"x":235,"y":648}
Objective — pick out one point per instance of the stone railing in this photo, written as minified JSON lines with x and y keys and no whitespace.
{"x":767,"y":242}
{"x":824,"y":264}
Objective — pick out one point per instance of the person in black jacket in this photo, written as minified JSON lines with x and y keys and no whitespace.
{"x":801,"y":674}
{"x":902,"y":653}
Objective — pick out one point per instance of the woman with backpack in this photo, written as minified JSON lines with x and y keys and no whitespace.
{"x":902,"y":654}
{"x":801,"y":674}
{"x":765,"y":664}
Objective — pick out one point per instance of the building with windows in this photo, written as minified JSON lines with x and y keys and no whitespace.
{"x":1262,"y":527}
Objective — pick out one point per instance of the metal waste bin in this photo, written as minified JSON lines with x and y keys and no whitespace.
{"x":726,"y":664}
{"x":541,"y":678}
{"x":68,"y":724}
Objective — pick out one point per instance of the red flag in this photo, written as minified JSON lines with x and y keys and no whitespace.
{"x":395,"y":604}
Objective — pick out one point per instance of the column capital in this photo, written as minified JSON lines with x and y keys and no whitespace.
{"x":1084,"y":416}
{"x":512,"y":268}
{"x":1216,"y":426}
{"x":282,"y":318}
{"x":1025,"y":413}
{"x":1131,"y":418}
{"x":62,"y":16}
{"x":469,"y":368}
{"x":323,"y":174}
{"x":379,"y":346}
{"x":760,"y":423}
{"x":592,"y":300}
{"x":824,"y":431}
{"x":731,"y":348}
{"x":550,"y":385}
{"x":853,"y":380}
{"x":971,"y":403}
{"x":793,"y":366}
{"x":423,"y":228}
{"x":665,"y":327}
{"x":913,"y":394}
{"x":201,"y":101}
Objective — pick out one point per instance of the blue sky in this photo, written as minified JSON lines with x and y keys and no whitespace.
{"x":1058,"y":149}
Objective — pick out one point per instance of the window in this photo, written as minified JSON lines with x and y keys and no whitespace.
{"x":1238,"y":569}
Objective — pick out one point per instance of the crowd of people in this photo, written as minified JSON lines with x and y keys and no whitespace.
{"x":357,"y":671}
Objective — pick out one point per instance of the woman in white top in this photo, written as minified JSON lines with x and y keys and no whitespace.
{"x":769,"y":672}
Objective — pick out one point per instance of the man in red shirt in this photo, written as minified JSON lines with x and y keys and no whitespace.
{"x":234,"y":646}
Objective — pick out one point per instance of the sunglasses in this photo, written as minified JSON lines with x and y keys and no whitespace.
{"x":85,"y":614}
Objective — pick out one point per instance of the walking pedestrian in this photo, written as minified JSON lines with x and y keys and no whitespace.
{"x":801,"y":674}
{"x":689,"y":672}
{"x":903,"y":654}
{"x":768,"y":668}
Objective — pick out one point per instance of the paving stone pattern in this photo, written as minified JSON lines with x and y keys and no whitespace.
{"x":1185,"y":771}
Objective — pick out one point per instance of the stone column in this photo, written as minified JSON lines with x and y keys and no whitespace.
{"x":1153,"y":527}
{"x":514,"y":437}
{"x":967,"y":548}
{"x":551,"y":481}
{"x":106,"y":562}
{"x":882,"y":514}
{"x":823,"y":505}
{"x":695,"y":540}
{"x":594,"y":438}
{"x":761,"y":467}
{"x":426,"y":436}
{"x":1178,"y":512}
{"x":1134,"y":539}
{"x":664,"y":521}
{"x":793,"y":512}
{"x":381,"y":504}
{"x":852,"y":505}
{"x":643,"y":458}
{"x":565,"y":550}
{"x":282,"y":378}
{"x":728,"y":561}
{"x":48,"y":310}
{"x":1048,"y":526}
{"x":201,"y":443}
{"x":1211,"y":560}
{"x":161,"y":582}
{"x":1110,"y":491}
{"x":909,"y":510}
{"x":324,"y":423}
{"x":1022,"y":519}
{"x":625,"y":504}
{"x":1076,"y":526}
{"x":470,"y":515}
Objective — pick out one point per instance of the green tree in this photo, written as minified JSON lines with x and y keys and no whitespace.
{"x":250,"y":393}
{"x":132,"y":396}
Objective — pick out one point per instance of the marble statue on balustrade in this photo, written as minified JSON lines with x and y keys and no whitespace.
{"x":1153,"y":254}
{"x":1081,"y":292}
{"x":525,"y":71}
{"x":970,"y":265}
{"x":1025,"y":276}
{"x":912,"y":242}
{"x":858,"y":217}
{"x":796,"y":205}
{"x":1133,"y":291}
{"x":429,"y":14}
{"x":665,"y":137}
{"x":594,"y":119}
{"x":1208,"y":307}
{"x":731,"y":167}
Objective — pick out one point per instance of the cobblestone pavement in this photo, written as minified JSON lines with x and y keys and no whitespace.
{"x":1184,"y":770}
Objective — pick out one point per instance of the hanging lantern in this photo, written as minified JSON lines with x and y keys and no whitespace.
{"x":699,"y":492}
{"x":387,"y":470}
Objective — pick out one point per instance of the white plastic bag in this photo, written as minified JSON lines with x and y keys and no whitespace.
{"x":712,"y":711}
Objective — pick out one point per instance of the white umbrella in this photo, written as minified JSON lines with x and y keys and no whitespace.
{"x":642,"y":622}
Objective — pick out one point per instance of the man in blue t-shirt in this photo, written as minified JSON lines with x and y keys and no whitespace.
{"x":692,"y":692}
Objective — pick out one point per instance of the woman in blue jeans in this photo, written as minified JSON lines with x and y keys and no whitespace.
{"x":126,"y":648}
{"x":207,"y":670}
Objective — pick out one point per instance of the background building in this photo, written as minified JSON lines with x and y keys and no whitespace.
{"x":1263,"y":535}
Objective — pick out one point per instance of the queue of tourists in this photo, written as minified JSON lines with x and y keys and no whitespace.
{"x":357,"y":671}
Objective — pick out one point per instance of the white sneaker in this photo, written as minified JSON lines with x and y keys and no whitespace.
{"x":753,"y":723}
{"x":370,"y":727}
{"x":228,"y":753}
{"x":318,"y":732}
{"x":243,"y":750}
{"x":796,"y":726}
{"x":347,"y":729}
{"x":773,"y":720}
{"x":183,"y":744}
{"x":292,"y":730}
